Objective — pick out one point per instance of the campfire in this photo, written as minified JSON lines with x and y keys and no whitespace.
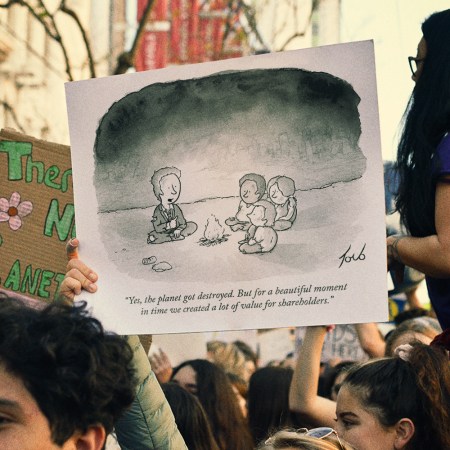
{"x":214,"y":232}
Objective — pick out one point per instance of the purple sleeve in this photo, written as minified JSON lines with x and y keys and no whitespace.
{"x":443,"y":156}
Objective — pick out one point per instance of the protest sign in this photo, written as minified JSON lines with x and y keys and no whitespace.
{"x":275,"y":345}
{"x":239,"y":194}
{"x":36,"y":215}
{"x":340,"y":343}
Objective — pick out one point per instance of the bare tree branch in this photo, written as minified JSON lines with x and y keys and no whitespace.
{"x":291,"y":38}
{"x":47,"y":20}
{"x":234,"y":11}
{"x":30,"y":49}
{"x":58,"y":38}
{"x":314,"y":6}
{"x":70,"y":12}
{"x":249,"y":13}
{"x":127,"y":59}
{"x":228,"y":23}
{"x":9,"y":109}
{"x":8,"y":4}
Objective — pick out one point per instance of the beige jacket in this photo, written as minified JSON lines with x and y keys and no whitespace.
{"x":149,"y":424}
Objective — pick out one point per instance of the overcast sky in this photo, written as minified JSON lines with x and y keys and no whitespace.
{"x":394,"y":25}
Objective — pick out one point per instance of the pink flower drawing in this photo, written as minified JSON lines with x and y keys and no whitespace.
{"x":13,"y":210}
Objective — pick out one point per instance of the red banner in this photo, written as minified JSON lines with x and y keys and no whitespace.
{"x":184,"y":31}
{"x":152,"y":53}
{"x":213,"y":19}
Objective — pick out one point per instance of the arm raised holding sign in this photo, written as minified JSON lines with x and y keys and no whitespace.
{"x":303,"y":398}
{"x":149,"y":423}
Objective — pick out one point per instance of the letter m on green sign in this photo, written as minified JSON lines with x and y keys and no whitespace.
{"x":63,"y":223}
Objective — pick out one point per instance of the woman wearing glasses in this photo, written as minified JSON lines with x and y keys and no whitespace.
{"x":423,"y":162}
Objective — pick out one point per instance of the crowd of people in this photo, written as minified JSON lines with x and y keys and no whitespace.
{"x":66,"y":383}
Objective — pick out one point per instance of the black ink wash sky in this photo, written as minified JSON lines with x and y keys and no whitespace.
{"x":301,"y":124}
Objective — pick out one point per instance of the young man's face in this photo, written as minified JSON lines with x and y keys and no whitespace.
{"x":249,"y":192}
{"x":23,"y":426}
{"x":170,"y":189}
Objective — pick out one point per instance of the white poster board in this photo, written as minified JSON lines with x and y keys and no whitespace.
{"x":239,"y":194}
{"x":340,"y":343}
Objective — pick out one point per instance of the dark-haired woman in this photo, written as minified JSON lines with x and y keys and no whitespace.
{"x":394,"y":403}
{"x":423,"y":162}
{"x":268,"y":402}
{"x":214,"y":390}
{"x":397,"y":403}
{"x":190,"y":417}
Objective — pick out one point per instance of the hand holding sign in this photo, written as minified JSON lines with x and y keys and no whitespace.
{"x":78,"y":275}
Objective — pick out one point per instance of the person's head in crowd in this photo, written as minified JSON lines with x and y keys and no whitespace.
{"x":251,"y":357}
{"x":316,"y":439}
{"x":423,"y":329}
{"x":288,"y":361}
{"x":268,"y":401}
{"x":400,"y":402}
{"x":333,"y":378}
{"x":228,"y":357}
{"x":190,"y":417}
{"x":213,"y":346}
{"x":412,"y":313}
{"x":211,"y":385}
{"x":64,"y":381}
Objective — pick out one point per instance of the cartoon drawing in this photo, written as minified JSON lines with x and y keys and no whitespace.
{"x":168,"y":221}
{"x":161,"y":266}
{"x":13,"y":210}
{"x":214,"y":232}
{"x":281,"y":192}
{"x":282,"y":121}
{"x":252,"y":188}
{"x":149,"y":260}
{"x":261,"y":237}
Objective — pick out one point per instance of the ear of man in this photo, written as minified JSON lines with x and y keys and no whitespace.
{"x":93,"y":439}
{"x":404,"y":431}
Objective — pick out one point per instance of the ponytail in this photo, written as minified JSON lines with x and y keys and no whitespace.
{"x":414,"y":385}
{"x":432,"y":371}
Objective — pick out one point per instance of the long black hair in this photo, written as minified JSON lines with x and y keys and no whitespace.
{"x":190,"y":417}
{"x":425,"y":122}
{"x":268,"y":402}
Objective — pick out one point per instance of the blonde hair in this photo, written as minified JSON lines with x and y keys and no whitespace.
{"x":286,"y":440}
{"x":228,"y":357}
